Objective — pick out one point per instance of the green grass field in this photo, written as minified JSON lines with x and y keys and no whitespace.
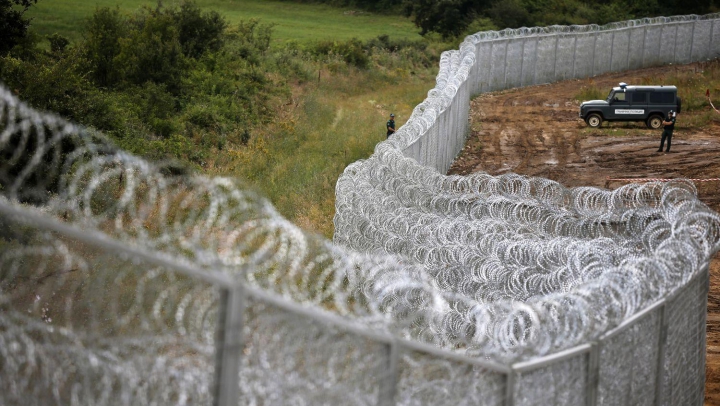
{"x":293,"y":21}
{"x":335,"y":119}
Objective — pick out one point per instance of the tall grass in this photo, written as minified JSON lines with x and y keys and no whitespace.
{"x":297,"y":160}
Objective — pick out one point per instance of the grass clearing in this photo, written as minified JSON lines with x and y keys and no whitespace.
{"x":298,"y":159}
{"x":293,"y":21}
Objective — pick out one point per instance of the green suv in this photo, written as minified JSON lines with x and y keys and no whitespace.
{"x":649,"y":104}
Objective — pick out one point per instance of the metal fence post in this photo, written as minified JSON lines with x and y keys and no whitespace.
{"x":490,"y":67}
{"x":592,"y":67}
{"x":677,"y":27}
{"x":507,"y":45}
{"x":557,"y":39}
{"x":642,"y":60}
{"x":389,"y":375}
{"x":692,"y":40}
{"x":662,"y":339}
{"x":535,"y":64}
{"x":522,"y":61}
{"x":710,"y":43}
{"x":575,"y":36}
{"x":612,"y":50}
{"x":627,"y":60}
{"x":593,"y":380}
{"x":510,"y":388}
{"x":229,"y":346}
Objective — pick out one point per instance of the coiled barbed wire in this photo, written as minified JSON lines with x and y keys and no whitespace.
{"x":527,"y":252}
{"x":507,"y":267}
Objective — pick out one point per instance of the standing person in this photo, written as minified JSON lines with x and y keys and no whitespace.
{"x":391,"y":125}
{"x":669,"y":126}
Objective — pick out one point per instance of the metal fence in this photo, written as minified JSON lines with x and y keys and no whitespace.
{"x":497,"y":60}
{"x":633,"y":363}
{"x":137,"y":327}
{"x":121,"y":284}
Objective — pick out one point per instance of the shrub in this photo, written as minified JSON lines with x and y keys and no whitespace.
{"x":103,"y":32}
{"x":198,"y":32}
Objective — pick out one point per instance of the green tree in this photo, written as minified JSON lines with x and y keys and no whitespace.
{"x":103,"y":32}
{"x":449,"y":18}
{"x":13,"y":26}
{"x":152,"y":51}
{"x":198,"y":32}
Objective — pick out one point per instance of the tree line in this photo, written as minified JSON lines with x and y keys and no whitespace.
{"x":453,"y":18}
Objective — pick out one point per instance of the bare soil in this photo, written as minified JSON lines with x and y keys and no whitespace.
{"x":536,"y":131}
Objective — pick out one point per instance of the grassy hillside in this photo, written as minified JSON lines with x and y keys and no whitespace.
{"x":287,"y":118}
{"x":293,"y":21}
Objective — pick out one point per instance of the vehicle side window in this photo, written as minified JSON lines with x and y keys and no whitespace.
{"x":662,"y":98}
{"x":619,"y":97}
{"x":639,"y":97}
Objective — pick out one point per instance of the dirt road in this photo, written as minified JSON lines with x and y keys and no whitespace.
{"x":536,"y":131}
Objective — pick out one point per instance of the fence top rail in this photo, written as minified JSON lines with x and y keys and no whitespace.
{"x":589,"y":28}
{"x":527,"y":366}
{"x":103,"y":241}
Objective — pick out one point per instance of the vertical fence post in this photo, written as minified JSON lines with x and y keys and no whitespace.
{"x":535,"y":64}
{"x":692,"y":40}
{"x":612,"y":50}
{"x":522,"y":61}
{"x":574,"y":53}
{"x":642,"y":60}
{"x":557,"y":39}
{"x":710,"y":43}
{"x":627,"y":61}
{"x":229,"y":347}
{"x":507,"y":45}
{"x":677,"y":27}
{"x":593,"y":374}
{"x":592,"y":67}
{"x":490,"y":67}
{"x":662,"y":339}
{"x":389,"y":375}
{"x":510,"y":388}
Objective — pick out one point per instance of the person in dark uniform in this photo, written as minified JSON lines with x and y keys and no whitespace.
{"x":391,"y":125}
{"x":669,"y":126}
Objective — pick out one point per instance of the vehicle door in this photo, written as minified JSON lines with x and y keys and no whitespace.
{"x":618,"y":105}
{"x":637,"y":105}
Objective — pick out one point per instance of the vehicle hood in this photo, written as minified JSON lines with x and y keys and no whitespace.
{"x":594,"y":103}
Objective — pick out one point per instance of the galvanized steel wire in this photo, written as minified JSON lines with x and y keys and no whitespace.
{"x":502,"y":268}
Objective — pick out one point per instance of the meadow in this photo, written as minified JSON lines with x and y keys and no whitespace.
{"x":292,"y":21}
{"x":318,"y":100}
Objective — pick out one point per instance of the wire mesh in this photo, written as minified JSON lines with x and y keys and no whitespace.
{"x":504,"y":268}
{"x":79,"y":326}
{"x":628,"y":363}
{"x":560,"y":383}
{"x":430,"y":380}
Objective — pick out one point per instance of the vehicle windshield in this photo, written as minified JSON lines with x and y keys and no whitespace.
{"x":616,"y":95}
{"x":610,"y":95}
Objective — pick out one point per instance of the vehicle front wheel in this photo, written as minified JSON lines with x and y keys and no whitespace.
{"x":594,"y":120}
{"x":655,"y":121}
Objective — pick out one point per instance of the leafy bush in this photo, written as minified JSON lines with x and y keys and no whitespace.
{"x":198,"y":32}
{"x":103,"y":33}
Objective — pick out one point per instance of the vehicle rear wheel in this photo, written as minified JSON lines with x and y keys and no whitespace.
{"x":594,"y":120}
{"x":655,"y":121}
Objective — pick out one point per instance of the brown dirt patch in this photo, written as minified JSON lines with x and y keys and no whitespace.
{"x":536,"y":131}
